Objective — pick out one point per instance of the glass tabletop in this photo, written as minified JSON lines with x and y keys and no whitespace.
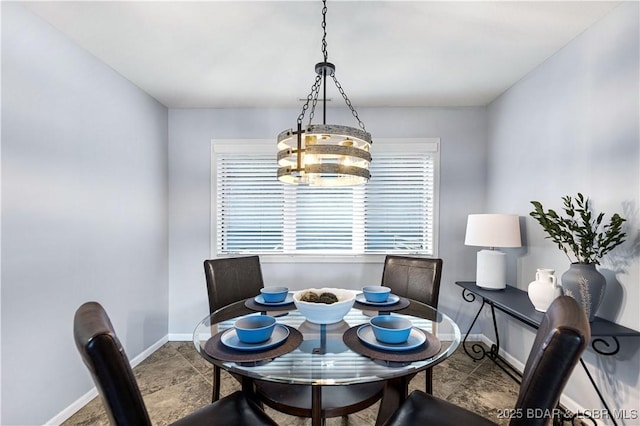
{"x":323,"y":358}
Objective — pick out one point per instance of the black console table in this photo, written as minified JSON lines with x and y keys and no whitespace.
{"x":515,"y":303}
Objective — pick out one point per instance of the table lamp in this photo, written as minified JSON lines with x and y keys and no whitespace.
{"x":492,"y":230}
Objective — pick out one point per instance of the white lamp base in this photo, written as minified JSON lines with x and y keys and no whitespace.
{"x":491,"y":269}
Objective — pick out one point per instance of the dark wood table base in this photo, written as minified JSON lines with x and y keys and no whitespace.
{"x":317,"y":401}
{"x":395,"y":392}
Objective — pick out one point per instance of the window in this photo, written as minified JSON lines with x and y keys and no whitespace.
{"x":254,"y":213}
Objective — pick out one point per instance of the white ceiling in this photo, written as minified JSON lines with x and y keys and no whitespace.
{"x":262,"y":53}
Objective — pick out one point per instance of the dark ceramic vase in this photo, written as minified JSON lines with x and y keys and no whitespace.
{"x":584,"y":283}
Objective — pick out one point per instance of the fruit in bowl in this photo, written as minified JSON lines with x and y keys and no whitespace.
{"x":324,"y":305}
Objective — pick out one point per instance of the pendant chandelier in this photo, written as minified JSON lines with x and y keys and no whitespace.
{"x":324,"y":154}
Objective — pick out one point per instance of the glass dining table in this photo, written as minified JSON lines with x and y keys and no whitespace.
{"x":326,"y":356}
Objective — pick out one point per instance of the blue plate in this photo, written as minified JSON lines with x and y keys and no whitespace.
{"x":230,"y":339}
{"x":260,"y":300}
{"x":416,"y":338}
{"x":391,"y":300}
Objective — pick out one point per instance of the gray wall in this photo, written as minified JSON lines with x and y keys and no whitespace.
{"x":572,"y":126}
{"x":462,"y":163}
{"x":84,"y":213}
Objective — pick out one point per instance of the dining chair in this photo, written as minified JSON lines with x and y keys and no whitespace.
{"x":110,"y":369}
{"x":230,"y":280}
{"x":416,"y":278}
{"x":558,"y":345}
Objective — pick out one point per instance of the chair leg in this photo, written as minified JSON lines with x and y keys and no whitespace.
{"x":428,"y":381}
{"x":215,"y":395}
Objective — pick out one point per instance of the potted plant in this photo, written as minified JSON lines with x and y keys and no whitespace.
{"x":585,"y":239}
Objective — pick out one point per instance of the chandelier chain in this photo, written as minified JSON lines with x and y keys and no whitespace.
{"x":312,"y":97}
{"x":348,"y":102}
{"x":325,"y":54}
{"x":315,"y":92}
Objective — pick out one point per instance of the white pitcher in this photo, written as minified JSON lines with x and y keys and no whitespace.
{"x":544,"y":289}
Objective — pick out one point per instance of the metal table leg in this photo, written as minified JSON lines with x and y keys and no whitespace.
{"x":593,"y":383}
{"x":478,"y":350}
{"x":316,"y":406}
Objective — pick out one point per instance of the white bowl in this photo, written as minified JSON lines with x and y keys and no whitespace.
{"x":322,"y":313}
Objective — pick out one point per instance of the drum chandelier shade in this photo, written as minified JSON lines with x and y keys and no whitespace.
{"x":324,"y":154}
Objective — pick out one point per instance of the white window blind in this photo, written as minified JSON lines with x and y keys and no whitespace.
{"x":254,"y":213}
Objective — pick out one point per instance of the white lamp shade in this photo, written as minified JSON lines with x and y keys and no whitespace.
{"x":493,"y":230}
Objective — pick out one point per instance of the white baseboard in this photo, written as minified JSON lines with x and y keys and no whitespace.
{"x":151,"y":349}
{"x":180,"y":337}
{"x":76,"y":405}
{"x":471,"y":338}
{"x":508,"y":357}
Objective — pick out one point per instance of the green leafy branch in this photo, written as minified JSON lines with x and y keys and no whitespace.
{"x":579,"y":233}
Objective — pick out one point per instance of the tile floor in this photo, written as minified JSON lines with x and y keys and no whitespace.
{"x":175,"y":381}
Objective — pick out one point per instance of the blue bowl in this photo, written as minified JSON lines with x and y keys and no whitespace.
{"x":255,"y":329}
{"x":376,"y":293}
{"x":274,"y":294}
{"x":390,"y":329}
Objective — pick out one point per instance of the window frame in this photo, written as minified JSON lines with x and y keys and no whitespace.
{"x":380,"y":145}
